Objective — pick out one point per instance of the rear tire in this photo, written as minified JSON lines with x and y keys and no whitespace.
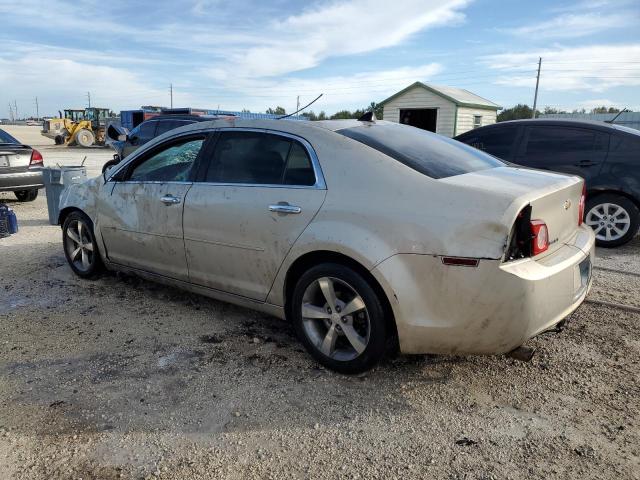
{"x":80,"y":247}
{"x":85,"y":138}
{"x":614,"y":219}
{"x":348,"y":337}
{"x":26,"y":195}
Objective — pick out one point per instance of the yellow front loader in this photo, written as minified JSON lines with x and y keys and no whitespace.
{"x":78,"y":127}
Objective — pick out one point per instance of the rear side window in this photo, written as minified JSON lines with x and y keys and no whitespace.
{"x":258,"y":158}
{"x":626,"y":144}
{"x":542,"y":140}
{"x":430,"y":154}
{"x":496,"y":141}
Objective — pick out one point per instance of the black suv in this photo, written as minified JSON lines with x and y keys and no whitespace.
{"x":606,"y":156}
{"x":152,"y":128}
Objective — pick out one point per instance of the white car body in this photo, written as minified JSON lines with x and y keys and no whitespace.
{"x":376,"y":213}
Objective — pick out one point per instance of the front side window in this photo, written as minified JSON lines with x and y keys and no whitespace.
{"x":477,"y":121}
{"x":171,"y":164}
{"x":430,"y":154}
{"x":146,"y":131}
{"x":545,"y":140}
{"x":259,"y":158}
{"x":167,"y":125}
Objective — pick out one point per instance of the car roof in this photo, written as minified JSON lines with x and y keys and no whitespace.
{"x":195,"y":118}
{"x":556,"y":122}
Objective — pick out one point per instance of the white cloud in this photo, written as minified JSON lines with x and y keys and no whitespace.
{"x":572,"y":25}
{"x":340,"y":29}
{"x":592,"y":68}
{"x":339,"y":91}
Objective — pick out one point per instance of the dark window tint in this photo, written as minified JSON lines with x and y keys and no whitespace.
{"x":496,"y":141}
{"x":430,"y":154}
{"x":626,"y":144}
{"x":6,"y":138}
{"x":146,"y":131}
{"x":167,"y":125}
{"x":543,"y":140}
{"x":171,"y":164}
{"x":259,"y":158}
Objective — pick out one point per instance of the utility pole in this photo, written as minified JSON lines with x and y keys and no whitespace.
{"x":171,"y":93}
{"x":298,"y":103}
{"x":535,"y":97}
{"x":15,"y":109}
{"x":11,"y":113}
{"x":37,"y":110}
{"x":89,"y":98}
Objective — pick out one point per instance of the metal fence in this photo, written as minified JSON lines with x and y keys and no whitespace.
{"x":626,"y":119}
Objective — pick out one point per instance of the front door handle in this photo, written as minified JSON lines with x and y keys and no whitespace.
{"x":284,"y":208}
{"x":170,"y":200}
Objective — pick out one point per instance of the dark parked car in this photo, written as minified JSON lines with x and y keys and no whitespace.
{"x":606,"y":156}
{"x":20,"y":168}
{"x":152,"y":128}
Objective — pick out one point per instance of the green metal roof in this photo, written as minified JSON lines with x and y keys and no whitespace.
{"x":459,"y":96}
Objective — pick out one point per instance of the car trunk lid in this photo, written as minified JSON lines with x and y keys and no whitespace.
{"x":554,"y":198}
{"x":14,"y":158}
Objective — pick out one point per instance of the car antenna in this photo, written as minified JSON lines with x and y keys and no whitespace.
{"x":613,"y":120}
{"x":301,"y":109}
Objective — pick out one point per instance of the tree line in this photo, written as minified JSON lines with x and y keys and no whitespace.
{"x":521,"y":111}
{"x":341,"y":115}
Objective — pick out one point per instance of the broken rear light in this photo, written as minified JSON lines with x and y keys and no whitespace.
{"x":36,"y":158}
{"x":583,"y":199}
{"x":539,"y":237}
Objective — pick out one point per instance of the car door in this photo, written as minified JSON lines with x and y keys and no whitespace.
{"x":255,"y":197}
{"x":140,"y":216}
{"x":573,"y":150}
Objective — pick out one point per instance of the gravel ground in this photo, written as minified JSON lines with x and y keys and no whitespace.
{"x":122,"y":378}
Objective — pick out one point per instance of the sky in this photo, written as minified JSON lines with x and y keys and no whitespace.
{"x":257,"y":54}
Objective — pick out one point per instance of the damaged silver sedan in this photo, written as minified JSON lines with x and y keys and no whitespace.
{"x":365,"y":234}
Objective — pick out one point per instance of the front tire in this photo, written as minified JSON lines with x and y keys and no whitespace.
{"x":614,"y":219}
{"x":339,"y":318}
{"x":85,"y":138}
{"x":26,"y":195}
{"x":80,"y":247}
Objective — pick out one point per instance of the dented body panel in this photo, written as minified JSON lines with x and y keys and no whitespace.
{"x":222,"y":240}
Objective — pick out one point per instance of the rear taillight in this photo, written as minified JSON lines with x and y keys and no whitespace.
{"x":539,"y":237}
{"x":36,"y":158}
{"x":583,"y":199}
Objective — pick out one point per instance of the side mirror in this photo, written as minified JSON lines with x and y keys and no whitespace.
{"x":111,"y":163}
{"x":116,"y":133}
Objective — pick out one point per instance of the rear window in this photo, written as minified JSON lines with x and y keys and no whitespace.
{"x":430,"y":154}
{"x":6,"y":138}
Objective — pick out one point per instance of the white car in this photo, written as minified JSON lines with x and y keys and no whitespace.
{"x":365,"y":234}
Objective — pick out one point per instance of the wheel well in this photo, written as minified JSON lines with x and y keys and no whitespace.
{"x":597,"y":193}
{"x":309,"y":260}
{"x":64,"y":213}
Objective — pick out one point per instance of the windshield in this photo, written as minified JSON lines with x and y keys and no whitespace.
{"x":430,"y":154}
{"x":6,"y":138}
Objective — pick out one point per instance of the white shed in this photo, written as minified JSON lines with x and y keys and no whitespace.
{"x":448,"y":111}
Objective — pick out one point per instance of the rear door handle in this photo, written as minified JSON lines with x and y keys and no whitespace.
{"x":284,"y":208}
{"x":586,"y":163}
{"x":170,"y":200}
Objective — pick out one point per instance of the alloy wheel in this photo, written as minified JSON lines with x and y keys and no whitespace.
{"x":609,"y":221}
{"x":335,"y":319}
{"x":79,"y":245}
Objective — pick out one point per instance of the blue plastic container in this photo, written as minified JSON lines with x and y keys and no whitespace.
{"x":8,"y":221}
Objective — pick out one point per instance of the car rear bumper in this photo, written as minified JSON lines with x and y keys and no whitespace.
{"x":21,"y":180}
{"x":489,"y":309}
